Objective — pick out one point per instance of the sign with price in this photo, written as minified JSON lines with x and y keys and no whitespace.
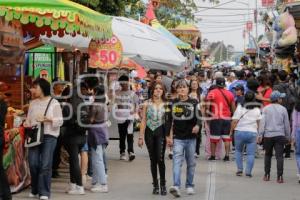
{"x":105,"y":54}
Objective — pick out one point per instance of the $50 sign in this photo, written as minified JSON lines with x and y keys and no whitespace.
{"x":105,"y":54}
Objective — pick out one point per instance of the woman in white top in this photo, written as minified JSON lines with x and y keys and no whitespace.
{"x":40,"y":157}
{"x":245,"y":123}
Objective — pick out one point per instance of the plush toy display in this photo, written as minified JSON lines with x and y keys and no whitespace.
{"x":289,"y":35}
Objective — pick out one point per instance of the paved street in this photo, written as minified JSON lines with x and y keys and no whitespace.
{"x":214,"y":181}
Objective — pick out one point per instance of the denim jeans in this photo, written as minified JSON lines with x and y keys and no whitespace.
{"x":184,"y":149}
{"x":99,"y":176}
{"x":245,"y":139}
{"x":40,"y":160}
{"x":297,"y":140}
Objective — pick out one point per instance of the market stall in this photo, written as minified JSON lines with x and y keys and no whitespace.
{"x":22,"y":22}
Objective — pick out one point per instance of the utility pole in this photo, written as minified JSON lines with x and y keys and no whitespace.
{"x":256,"y":34}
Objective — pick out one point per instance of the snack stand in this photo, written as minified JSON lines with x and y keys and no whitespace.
{"x":22,"y":22}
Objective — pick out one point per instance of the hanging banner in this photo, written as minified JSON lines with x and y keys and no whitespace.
{"x":41,"y":62}
{"x":267,"y":3}
{"x":105,"y":54}
{"x":249,"y":26}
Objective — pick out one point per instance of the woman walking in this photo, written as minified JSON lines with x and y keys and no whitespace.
{"x":154,"y":127}
{"x":98,"y":140}
{"x":47,"y":110}
{"x":296,"y":134}
{"x":275,"y":129}
{"x":245,"y":122}
{"x":195,"y":93}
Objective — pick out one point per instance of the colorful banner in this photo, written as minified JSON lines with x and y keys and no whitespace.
{"x":105,"y":54}
{"x":41,"y":62}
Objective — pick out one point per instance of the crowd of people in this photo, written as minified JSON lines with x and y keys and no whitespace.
{"x":236,"y":110}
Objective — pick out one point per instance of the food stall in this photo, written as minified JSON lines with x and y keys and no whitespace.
{"x":21,"y":25}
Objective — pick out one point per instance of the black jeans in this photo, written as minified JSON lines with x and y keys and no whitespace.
{"x":123,"y":133}
{"x":4,"y":186}
{"x":156,"y":145}
{"x":73,"y":145}
{"x":276,"y":143}
{"x":198,"y":141}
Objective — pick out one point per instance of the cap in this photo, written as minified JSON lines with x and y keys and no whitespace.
{"x":239,"y":87}
{"x":220,"y":82}
{"x":276,"y":95}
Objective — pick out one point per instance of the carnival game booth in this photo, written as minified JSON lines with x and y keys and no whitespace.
{"x":22,"y":22}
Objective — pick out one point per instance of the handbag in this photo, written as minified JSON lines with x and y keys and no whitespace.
{"x":35,"y":134}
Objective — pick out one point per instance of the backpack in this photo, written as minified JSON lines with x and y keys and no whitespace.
{"x":290,"y":98}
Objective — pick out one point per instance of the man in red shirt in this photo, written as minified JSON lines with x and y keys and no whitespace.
{"x":221,"y":107}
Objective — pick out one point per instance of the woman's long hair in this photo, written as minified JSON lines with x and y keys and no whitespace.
{"x":164,"y":90}
{"x":198,"y":89}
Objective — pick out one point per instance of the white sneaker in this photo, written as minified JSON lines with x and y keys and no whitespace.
{"x":131,"y":156}
{"x":44,"y":198}
{"x":33,"y":195}
{"x":71,"y":186}
{"x":99,"y":188}
{"x":197,"y":156}
{"x":79,"y":190}
{"x":190,"y":191}
{"x":123,"y":156}
{"x":174,"y":190}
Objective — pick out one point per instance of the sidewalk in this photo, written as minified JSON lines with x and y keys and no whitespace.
{"x":214,"y":181}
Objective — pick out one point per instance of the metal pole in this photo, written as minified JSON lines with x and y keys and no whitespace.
{"x":22,"y":85}
{"x":256,"y":36}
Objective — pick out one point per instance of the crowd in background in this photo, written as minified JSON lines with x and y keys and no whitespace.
{"x":242,"y":111}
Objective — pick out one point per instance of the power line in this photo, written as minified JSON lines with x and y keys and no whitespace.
{"x":226,"y":8}
{"x":213,"y":27}
{"x":222,"y":31}
{"x":229,"y":15}
{"x":222,"y":22}
{"x":216,"y":6}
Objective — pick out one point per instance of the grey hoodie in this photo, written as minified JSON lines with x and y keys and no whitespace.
{"x":275,"y":122}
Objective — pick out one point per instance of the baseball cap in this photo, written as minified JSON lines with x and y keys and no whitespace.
{"x":220,"y":82}
{"x":239,"y":87}
{"x":276,"y":95}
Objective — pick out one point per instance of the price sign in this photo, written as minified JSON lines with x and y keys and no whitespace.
{"x":105,"y":54}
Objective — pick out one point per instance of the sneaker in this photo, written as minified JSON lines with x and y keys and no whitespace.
{"x":123,"y":156}
{"x":266,"y":177}
{"x":79,"y":190}
{"x":131,"y":156}
{"x":99,"y":188}
{"x":226,"y":159}
{"x":239,"y":173}
{"x":197,"y":155}
{"x":190,"y":191}
{"x":249,"y":175}
{"x":212,"y":158}
{"x":44,"y":198}
{"x":174,"y":190}
{"x":72,"y":186}
{"x":33,"y":195}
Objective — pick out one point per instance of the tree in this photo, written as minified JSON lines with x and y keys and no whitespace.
{"x":128,"y":8}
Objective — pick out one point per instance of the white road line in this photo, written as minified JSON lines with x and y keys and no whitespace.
{"x":211,"y":181}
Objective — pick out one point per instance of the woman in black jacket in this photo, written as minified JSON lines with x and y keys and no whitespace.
{"x":4,"y":186}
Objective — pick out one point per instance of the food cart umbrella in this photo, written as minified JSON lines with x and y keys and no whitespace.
{"x":145,"y":45}
{"x":56,"y":17}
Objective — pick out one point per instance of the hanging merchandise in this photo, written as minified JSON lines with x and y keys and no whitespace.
{"x":105,"y":54}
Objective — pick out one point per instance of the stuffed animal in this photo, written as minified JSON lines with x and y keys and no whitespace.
{"x":286,"y":22}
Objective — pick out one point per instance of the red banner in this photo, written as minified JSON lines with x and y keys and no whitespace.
{"x":105,"y":54}
{"x":267,"y":3}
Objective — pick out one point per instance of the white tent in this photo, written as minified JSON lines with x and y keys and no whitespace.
{"x":142,"y":43}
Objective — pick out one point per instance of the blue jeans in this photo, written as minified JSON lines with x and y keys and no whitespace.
{"x":184,"y":149}
{"x":40,"y":160}
{"x":297,"y":140}
{"x":99,"y":176}
{"x":245,"y":139}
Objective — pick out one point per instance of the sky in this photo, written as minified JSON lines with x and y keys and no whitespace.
{"x":227,"y":25}
{"x":216,"y":25}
